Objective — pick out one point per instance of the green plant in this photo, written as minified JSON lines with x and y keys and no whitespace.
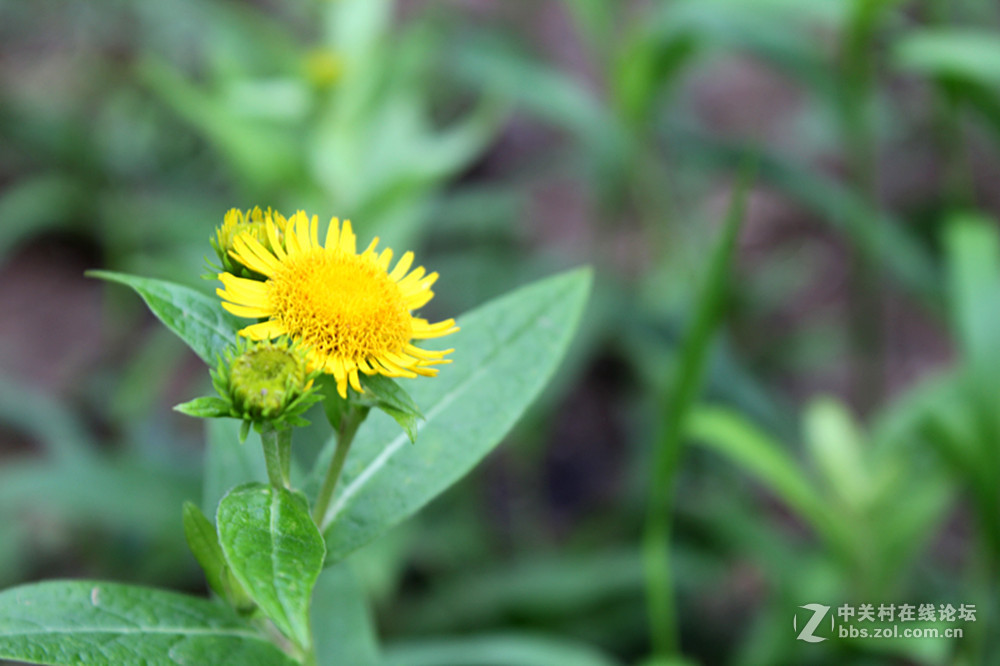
{"x":266,"y":552}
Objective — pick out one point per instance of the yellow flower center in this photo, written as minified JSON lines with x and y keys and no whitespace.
{"x":339,"y":304}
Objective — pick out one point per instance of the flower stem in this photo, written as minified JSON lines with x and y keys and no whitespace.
{"x":285,"y":455}
{"x":348,"y":427}
{"x":277,"y":454}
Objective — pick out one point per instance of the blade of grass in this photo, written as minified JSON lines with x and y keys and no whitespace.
{"x":685,"y":385}
{"x":887,"y":243}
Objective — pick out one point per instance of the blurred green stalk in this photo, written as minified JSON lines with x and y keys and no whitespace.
{"x":858,"y":78}
{"x":684,"y":390}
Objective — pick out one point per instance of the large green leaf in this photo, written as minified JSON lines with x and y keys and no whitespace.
{"x":504,"y":355}
{"x":196,"y":318}
{"x":83,"y":622}
{"x":228,"y":462}
{"x":275,"y":551}
{"x":342,"y":620}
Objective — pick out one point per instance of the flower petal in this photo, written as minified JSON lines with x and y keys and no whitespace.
{"x":265,"y":330}
{"x":347,"y":238}
{"x":333,"y":234}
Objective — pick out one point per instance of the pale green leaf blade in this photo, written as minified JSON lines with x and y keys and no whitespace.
{"x":836,"y":444}
{"x":342,"y":620}
{"x":203,"y":541}
{"x":496,"y":650}
{"x":753,"y":450}
{"x":967,"y":54}
{"x":228,"y":462}
{"x":275,"y":551}
{"x":973,"y":249}
{"x":504,"y":355}
{"x":104,"y":624}
{"x":196,"y":318}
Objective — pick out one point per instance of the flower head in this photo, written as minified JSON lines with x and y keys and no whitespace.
{"x":349,"y":310}
{"x":236,"y":223}
{"x":260,"y":383}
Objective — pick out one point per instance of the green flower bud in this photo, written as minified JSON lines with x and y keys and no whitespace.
{"x":260,"y":383}
{"x":264,"y":378}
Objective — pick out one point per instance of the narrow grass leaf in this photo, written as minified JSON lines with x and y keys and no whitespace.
{"x":685,"y":386}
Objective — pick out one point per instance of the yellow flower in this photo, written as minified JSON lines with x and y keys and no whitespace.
{"x":236,"y":223}
{"x":323,"y":67}
{"x":349,"y":310}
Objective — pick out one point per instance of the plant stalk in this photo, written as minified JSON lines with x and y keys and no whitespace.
{"x":684,"y":390}
{"x":348,"y":428}
{"x":277,"y":454}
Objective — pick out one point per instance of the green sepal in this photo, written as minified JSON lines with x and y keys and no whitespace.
{"x":235,"y":400}
{"x":380,"y":393}
{"x":206,"y":407}
{"x":392,"y":399}
{"x":335,"y":407}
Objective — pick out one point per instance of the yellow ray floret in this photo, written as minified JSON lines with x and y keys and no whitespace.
{"x":350,"y":311}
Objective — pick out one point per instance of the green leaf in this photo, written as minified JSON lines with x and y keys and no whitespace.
{"x":971,"y":55}
{"x":240,"y":140}
{"x":684,"y":389}
{"x":204,"y":407}
{"x":836,"y":445}
{"x":119,"y":494}
{"x":394,"y":401}
{"x":228,"y":462}
{"x":505,"y":353}
{"x":534,"y":589}
{"x":499,"y":650}
{"x":731,"y":435}
{"x":196,"y":318}
{"x":886,"y":243}
{"x":204,"y":543}
{"x":41,"y":416}
{"x":342,"y":620}
{"x":203,"y":539}
{"x":37,"y":204}
{"x":275,"y":550}
{"x":973,"y":248}
{"x":105,"y":624}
